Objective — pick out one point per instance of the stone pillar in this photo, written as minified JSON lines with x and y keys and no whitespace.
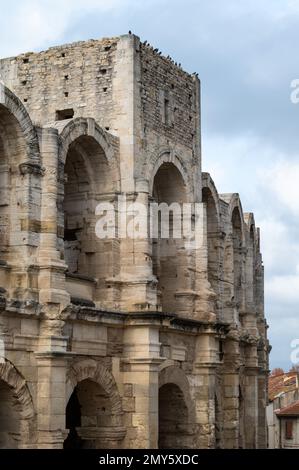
{"x":52,"y":268}
{"x":204,"y":305}
{"x":51,"y":403}
{"x":203,"y":388}
{"x":231,"y":393}
{"x":141,"y":380}
{"x":138,"y":285}
{"x":24,"y":230}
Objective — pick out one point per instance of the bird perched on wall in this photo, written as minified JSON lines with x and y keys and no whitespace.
{"x":130,"y":32}
{"x":145,"y":43}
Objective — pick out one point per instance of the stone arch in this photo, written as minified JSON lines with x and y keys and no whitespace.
{"x":19,"y":163}
{"x":250,"y":262}
{"x":176,"y":410}
{"x":211,"y":199}
{"x":90,"y":378}
{"x":90,"y":369}
{"x":15,"y":384}
{"x":12,"y":104}
{"x":208,"y":183}
{"x":234,"y":259}
{"x":167,"y":156}
{"x":88,"y":174}
{"x":171,"y":261}
{"x":74,"y":129}
{"x":235,"y":206}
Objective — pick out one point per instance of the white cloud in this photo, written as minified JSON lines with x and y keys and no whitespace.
{"x":283,"y":180}
{"x":34,"y":24}
{"x":284,"y":289}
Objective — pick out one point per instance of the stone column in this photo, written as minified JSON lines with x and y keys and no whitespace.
{"x":141,"y":381}
{"x":51,"y":403}
{"x":52,"y":268}
{"x":138,"y":285}
{"x":203,"y":387}
{"x":231,"y":392}
{"x":25,"y":228}
{"x":204,"y":305}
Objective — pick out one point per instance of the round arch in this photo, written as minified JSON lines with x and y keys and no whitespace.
{"x":94,"y":415}
{"x":16,"y":384}
{"x":11,"y":105}
{"x":175,"y":375}
{"x":167,"y":156}
{"x":176,"y":410}
{"x":235,"y":206}
{"x":79,"y":127}
{"x":88,"y":170}
{"x":208,"y":183}
{"x":92,"y":370}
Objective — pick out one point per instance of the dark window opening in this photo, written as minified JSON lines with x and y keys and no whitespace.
{"x":221,"y":352}
{"x":24,"y":82}
{"x":166,"y":112}
{"x":64,"y":114}
{"x":70,"y":235}
{"x":105,"y":89}
{"x":107,"y":128}
{"x":66,"y":77}
{"x":103,"y":71}
{"x":25,"y":100}
{"x":63,"y":54}
{"x":107,"y":48}
{"x":66,"y":94}
{"x":25,"y":61}
{"x":289,"y":429}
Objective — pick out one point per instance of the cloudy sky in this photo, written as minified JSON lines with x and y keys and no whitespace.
{"x":246,"y":53}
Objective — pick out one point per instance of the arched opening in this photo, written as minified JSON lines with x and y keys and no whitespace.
{"x":250,"y":267}
{"x":175,"y":432}
{"x":90,"y":418}
{"x":87,"y":181}
{"x":237,"y":255}
{"x":170,"y":264}
{"x":12,"y":154}
{"x":213,"y":242}
{"x":10,"y":418}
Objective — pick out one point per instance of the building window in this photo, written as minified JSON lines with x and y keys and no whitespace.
{"x":166,"y":112}
{"x":289,"y":429}
{"x":63,"y":114}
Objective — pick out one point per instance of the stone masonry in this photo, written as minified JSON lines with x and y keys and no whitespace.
{"x":120,"y":342}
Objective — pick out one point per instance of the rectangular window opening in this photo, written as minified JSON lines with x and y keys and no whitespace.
{"x":166,"y":112}
{"x":63,"y":114}
{"x":289,"y":429}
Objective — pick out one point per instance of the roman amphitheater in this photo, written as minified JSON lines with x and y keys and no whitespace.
{"x":122,"y":342}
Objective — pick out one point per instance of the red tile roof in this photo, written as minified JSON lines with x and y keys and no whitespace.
{"x":290,"y":410}
{"x":282,"y":383}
